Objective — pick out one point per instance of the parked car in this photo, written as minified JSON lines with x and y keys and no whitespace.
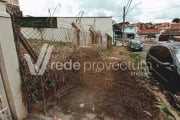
{"x":163,"y":61}
{"x":135,"y":44}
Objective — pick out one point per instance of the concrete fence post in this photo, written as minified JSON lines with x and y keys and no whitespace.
{"x":76,"y":33}
{"x":109,"y":41}
{"x":9,"y":65}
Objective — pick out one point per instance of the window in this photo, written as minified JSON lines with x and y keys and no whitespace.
{"x":154,"y":51}
{"x":165,"y":55}
{"x":177,"y":52}
{"x":151,"y":51}
{"x":162,"y":53}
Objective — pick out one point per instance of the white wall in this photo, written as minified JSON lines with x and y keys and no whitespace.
{"x":3,"y":98}
{"x":9,"y":66}
{"x":66,"y":33}
{"x":104,"y":24}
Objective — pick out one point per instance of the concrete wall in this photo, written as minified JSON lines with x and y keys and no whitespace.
{"x":65,"y":32}
{"x":104,"y":24}
{"x":9,"y":66}
{"x":3,"y":98}
{"x":60,"y":35}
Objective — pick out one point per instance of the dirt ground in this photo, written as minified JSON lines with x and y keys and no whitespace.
{"x":104,"y":94}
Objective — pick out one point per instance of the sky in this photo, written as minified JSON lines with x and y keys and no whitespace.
{"x":140,"y":10}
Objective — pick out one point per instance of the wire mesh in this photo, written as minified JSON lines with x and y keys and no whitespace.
{"x":37,"y":89}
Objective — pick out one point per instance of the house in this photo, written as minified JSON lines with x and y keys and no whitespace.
{"x":163,"y":26}
{"x":13,"y":2}
{"x":118,"y":32}
{"x":149,"y":33}
{"x":175,"y":26}
{"x":130,"y":31}
{"x":170,"y":34}
{"x":13,"y":8}
{"x":140,"y":26}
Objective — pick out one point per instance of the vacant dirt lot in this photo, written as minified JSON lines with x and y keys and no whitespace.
{"x":104,"y":94}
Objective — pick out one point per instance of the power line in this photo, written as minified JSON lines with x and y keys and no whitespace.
{"x":125,"y":11}
{"x":128,"y":7}
{"x":160,"y":10}
{"x":134,"y":6}
{"x":128,"y":3}
{"x":170,"y":6}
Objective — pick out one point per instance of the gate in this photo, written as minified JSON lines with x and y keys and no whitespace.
{"x":5,"y":113}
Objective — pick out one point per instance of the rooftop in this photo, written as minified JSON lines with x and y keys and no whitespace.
{"x":149,"y":31}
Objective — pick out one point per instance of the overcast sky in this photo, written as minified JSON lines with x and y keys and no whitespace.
{"x":140,"y":10}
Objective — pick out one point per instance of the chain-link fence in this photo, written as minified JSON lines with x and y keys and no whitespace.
{"x":67,"y":32}
{"x":65,"y":38}
{"x":40,"y":88}
{"x":50,"y":34}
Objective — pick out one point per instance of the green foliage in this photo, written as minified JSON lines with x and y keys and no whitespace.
{"x":132,"y":55}
{"x":135,"y":57}
{"x":176,"y":20}
{"x":99,"y":51}
{"x":37,"y":22}
{"x":165,"y":109}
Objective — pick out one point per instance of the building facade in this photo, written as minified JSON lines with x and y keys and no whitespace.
{"x":14,"y":2}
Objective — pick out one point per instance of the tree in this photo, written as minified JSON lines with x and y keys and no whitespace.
{"x":176,"y":20}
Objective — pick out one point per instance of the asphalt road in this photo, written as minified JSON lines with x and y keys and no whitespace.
{"x":146,"y":47}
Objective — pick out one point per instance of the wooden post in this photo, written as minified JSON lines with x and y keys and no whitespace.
{"x":77,"y":32}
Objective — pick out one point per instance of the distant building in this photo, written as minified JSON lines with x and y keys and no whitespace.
{"x":118,"y":32}
{"x":14,"y":2}
{"x":13,"y":8}
{"x":140,"y":26}
{"x":149,"y":34}
{"x":143,"y":31}
{"x":130,"y":31}
{"x":171,"y":32}
{"x":162,"y":26}
{"x":175,"y":26}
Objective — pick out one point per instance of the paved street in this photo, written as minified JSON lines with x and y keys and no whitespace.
{"x":146,"y":47}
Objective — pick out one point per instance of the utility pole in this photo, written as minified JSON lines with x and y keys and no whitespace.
{"x":125,"y":11}
{"x":124,"y":17}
